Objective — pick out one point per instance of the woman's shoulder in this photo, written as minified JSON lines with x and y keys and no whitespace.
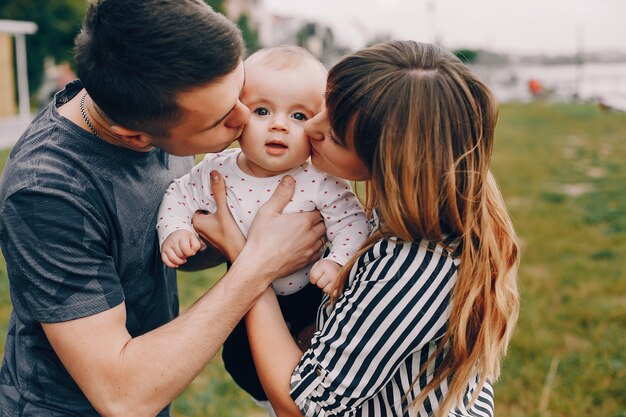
{"x":396,"y":248}
{"x":393,"y":258}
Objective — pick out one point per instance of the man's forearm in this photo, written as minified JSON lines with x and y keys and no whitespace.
{"x":163,"y":362}
{"x":139,"y":376}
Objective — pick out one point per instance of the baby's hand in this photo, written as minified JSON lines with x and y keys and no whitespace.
{"x":324,"y":274}
{"x":179,"y":246}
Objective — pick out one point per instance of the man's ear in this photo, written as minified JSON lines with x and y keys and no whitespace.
{"x":132,"y":138}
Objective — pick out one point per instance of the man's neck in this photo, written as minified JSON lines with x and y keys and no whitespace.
{"x":71,"y":111}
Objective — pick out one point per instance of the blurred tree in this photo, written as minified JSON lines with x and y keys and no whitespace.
{"x":217,"y":5}
{"x":302,"y":36}
{"x":466,"y":55}
{"x":58,"y":21}
{"x":250,"y":35}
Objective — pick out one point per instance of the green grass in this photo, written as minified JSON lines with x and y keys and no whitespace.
{"x":562,"y":174}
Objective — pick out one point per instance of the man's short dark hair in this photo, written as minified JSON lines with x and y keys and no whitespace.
{"x":135,"y":56}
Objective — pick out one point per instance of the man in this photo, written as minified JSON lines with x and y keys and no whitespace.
{"x":92,"y":331}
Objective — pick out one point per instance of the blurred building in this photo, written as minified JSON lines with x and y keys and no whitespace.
{"x":274,"y":29}
{"x":7,"y":80}
{"x":9,"y":30}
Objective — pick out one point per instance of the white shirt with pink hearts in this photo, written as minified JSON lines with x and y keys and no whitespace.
{"x":346,"y":225}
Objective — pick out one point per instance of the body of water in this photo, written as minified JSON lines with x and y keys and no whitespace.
{"x":596,"y":82}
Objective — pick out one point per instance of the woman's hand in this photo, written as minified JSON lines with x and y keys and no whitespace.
{"x":219,"y":229}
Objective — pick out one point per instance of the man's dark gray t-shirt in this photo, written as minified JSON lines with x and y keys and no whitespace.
{"x":77,"y":228}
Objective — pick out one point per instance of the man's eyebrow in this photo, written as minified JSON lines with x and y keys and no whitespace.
{"x":221,"y":119}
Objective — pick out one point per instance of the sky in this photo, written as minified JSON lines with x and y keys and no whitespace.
{"x":516,"y":26}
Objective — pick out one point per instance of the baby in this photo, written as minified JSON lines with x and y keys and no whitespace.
{"x":284,"y":87}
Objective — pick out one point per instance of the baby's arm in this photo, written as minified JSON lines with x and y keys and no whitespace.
{"x":179,"y":246}
{"x":324,"y":273}
{"x":186,"y":195}
{"x":346,"y":229}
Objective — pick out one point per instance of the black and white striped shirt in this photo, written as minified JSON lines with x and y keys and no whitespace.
{"x":372,"y":343}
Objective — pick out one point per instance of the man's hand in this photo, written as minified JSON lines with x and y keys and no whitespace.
{"x":284,"y":243}
{"x":179,"y":246}
{"x":219,"y":229}
{"x":324,"y":273}
{"x":278,"y":244}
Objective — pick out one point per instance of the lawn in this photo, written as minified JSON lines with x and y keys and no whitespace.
{"x":562,"y":172}
{"x":563,"y":176}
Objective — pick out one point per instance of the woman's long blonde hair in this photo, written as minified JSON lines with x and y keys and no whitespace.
{"x":424,"y":126}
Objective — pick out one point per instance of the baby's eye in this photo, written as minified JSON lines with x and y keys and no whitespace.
{"x":299,"y":116}
{"x":261,"y":111}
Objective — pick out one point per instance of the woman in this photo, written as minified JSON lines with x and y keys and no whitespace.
{"x":427,"y":307}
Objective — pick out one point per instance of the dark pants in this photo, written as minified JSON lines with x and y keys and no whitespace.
{"x":299,"y":310}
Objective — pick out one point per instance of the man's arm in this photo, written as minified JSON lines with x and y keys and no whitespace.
{"x":122,"y":376}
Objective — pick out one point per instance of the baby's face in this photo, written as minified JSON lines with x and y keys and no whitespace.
{"x":280,"y":101}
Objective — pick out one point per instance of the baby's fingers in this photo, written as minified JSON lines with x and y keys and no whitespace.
{"x":165,"y":257}
{"x":328,"y":288}
{"x":195,"y":244}
{"x":189,"y":247}
{"x":324,"y":282}
{"x":174,"y":257}
{"x":166,"y":260}
{"x":316,"y":274}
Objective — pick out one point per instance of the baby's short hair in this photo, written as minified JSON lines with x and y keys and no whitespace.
{"x":284,"y":56}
